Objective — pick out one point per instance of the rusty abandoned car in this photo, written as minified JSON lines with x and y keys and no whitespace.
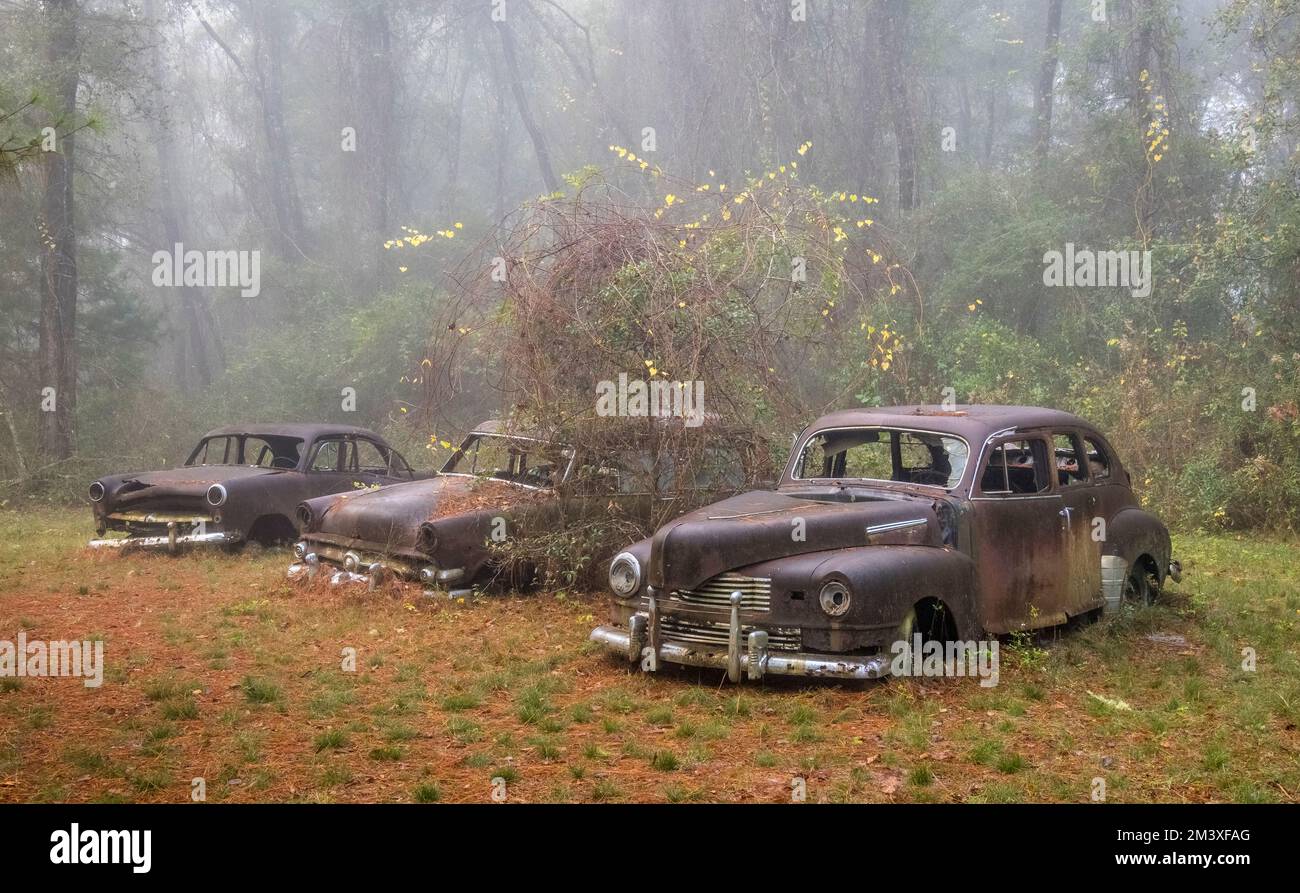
{"x":888,"y":523}
{"x":503,"y":483}
{"x":241,"y":484}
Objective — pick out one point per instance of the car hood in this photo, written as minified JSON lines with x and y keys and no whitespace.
{"x":392,"y":515}
{"x":763,"y":525}
{"x":139,"y":488}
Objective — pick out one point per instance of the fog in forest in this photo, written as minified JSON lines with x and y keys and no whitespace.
{"x":403,"y":214}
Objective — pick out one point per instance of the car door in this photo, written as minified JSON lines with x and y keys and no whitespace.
{"x":375,"y":464}
{"x":1085,"y":528}
{"x":1019,"y":536}
{"x":330,"y":467}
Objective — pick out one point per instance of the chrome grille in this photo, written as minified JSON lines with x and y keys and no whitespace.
{"x":717,"y":635}
{"x":755,"y":593}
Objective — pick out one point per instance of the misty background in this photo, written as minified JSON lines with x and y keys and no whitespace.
{"x":985,"y":134}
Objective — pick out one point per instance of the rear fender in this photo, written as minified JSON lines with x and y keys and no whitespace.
{"x":1133,"y":532}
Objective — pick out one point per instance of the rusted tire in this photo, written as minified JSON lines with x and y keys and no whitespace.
{"x":1138,"y":588}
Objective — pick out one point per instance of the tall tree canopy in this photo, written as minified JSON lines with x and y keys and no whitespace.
{"x":369,"y":151}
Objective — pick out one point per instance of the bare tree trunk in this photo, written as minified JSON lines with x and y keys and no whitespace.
{"x":892,"y":37}
{"x":966,"y":115}
{"x":502,"y":137}
{"x":200,"y":353}
{"x":268,"y":73}
{"x":1045,"y":96}
{"x":454,"y":130}
{"x":868,"y":108}
{"x":266,"y":82}
{"x":540,"y":148}
{"x":991,"y":131}
{"x":377,"y":101}
{"x":15,"y":444}
{"x":1144,"y":201}
{"x":614,"y":125}
{"x":56,"y":229}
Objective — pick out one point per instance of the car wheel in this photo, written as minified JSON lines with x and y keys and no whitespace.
{"x":931,"y":620}
{"x":1138,"y":588}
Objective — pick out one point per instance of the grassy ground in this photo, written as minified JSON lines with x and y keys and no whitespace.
{"x":218,"y":669}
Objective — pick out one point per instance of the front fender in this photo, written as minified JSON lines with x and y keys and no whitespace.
{"x":892,"y":579}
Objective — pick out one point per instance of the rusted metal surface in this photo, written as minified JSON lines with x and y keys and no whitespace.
{"x":446,"y":530}
{"x":980,"y":550}
{"x":179,"y":506}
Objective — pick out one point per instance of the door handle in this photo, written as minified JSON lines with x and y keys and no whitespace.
{"x":1066,"y":519}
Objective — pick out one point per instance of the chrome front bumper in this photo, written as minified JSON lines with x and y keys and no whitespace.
{"x":357,"y":568}
{"x":172,"y":542}
{"x":642,"y":642}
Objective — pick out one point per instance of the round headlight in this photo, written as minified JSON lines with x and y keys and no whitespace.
{"x":835,"y":598}
{"x":96,"y":491}
{"x":216,"y":495}
{"x":624,"y":574}
{"x":426,"y":539}
{"x":304,"y":517}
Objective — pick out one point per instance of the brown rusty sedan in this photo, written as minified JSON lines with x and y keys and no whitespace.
{"x":241,"y":484}
{"x":888,"y":524}
{"x":502,"y":484}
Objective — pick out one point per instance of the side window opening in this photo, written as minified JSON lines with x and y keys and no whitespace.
{"x":1015,"y":468}
{"x":329,"y":456}
{"x":257,"y":453}
{"x":213,"y":452}
{"x":1069,"y":470}
{"x":397,"y":466}
{"x":1098,"y":461}
{"x":371,"y":458}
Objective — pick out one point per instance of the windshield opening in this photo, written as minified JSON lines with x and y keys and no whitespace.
{"x":529,"y":462}
{"x":883,"y":454}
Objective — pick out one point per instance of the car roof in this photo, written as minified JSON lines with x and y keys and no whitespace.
{"x":306,"y":430}
{"x":974,"y":422}
{"x":507,"y":429}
